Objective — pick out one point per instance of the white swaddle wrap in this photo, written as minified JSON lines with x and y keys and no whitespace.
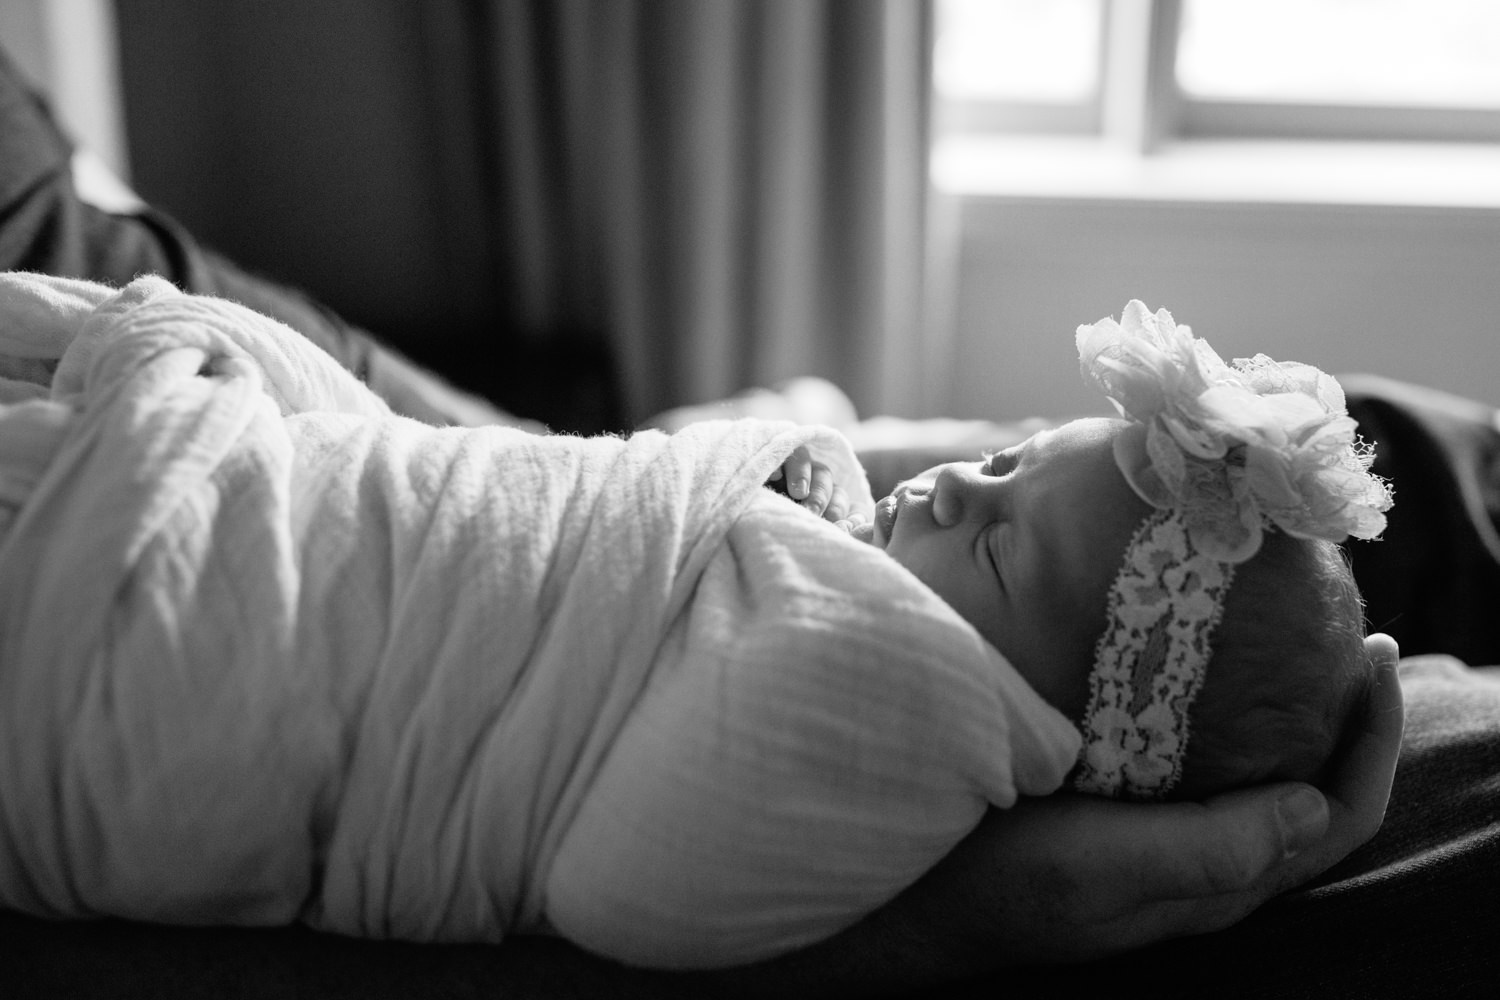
{"x":269,"y":653}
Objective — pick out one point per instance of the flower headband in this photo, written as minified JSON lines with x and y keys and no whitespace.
{"x":1223,"y":453}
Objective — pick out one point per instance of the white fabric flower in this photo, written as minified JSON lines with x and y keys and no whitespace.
{"x":1236,"y":448}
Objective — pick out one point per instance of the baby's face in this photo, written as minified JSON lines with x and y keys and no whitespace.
{"x":1025,"y":547}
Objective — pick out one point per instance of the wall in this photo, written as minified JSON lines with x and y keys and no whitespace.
{"x":1408,"y":292}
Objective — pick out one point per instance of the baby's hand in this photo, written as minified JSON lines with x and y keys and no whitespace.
{"x":811,"y":484}
{"x":857,"y":525}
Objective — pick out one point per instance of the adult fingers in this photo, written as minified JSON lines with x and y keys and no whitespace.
{"x":1362,"y":782}
{"x":1273,"y":839}
{"x":1276,"y":837}
{"x":1071,"y":877}
{"x":1227,"y":845}
{"x":1165,"y":919}
{"x":1177,"y":851}
{"x":1135,"y":874}
{"x":1359,"y":787}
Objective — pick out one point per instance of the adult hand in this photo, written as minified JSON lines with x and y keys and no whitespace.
{"x":1071,"y":877}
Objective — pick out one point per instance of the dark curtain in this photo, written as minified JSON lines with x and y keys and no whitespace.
{"x":727,"y":192}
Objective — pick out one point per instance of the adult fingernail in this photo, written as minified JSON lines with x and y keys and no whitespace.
{"x":1303,"y":816}
{"x":799,"y":488}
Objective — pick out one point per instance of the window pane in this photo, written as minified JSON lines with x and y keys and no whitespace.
{"x":1017,"y":50}
{"x":1390,"y":52}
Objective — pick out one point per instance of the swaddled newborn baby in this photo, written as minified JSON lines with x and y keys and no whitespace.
{"x":273,"y":654}
{"x":1026,"y":546}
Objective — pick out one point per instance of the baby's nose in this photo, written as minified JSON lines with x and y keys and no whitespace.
{"x":952,"y":495}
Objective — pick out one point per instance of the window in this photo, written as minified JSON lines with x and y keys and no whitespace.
{"x":1343,"y":69}
{"x":1355,"y":52}
{"x":1018,"y":65}
{"x":1148,"y":71}
{"x":1283,"y":174}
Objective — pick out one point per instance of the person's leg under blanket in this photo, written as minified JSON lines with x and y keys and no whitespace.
{"x":49,"y":224}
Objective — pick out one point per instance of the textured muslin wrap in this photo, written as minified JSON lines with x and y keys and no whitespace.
{"x":269,"y":653}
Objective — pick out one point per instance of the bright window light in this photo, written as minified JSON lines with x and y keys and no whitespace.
{"x":1418,"y":53}
{"x":1036,"y":51}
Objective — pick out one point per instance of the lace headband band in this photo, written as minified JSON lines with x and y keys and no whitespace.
{"x":1150,"y":661}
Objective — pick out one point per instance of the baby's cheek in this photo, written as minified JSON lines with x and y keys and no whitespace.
{"x":1055,"y":655}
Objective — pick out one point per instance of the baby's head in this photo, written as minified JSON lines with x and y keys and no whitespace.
{"x":1026,"y":545}
{"x":1169,"y":576}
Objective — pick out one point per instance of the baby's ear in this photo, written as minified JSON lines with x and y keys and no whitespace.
{"x":41,"y":314}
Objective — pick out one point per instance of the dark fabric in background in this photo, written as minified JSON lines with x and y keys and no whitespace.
{"x":1434,"y":583}
{"x":45,"y":227}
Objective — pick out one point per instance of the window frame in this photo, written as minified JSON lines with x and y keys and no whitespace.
{"x":1141,"y":107}
{"x":1199,"y":118}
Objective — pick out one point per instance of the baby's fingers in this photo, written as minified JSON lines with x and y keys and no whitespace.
{"x":852,"y":523}
{"x":838,"y":505}
{"x":820,"y":492}
{"x":798,"y":469}
{"x":811,"y":485}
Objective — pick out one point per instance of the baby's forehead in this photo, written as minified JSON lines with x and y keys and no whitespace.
{"x":1081,"y":452}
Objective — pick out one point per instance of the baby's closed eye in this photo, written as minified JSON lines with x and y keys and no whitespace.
{"x":990,"y":540}
{"x":1000,"y":463}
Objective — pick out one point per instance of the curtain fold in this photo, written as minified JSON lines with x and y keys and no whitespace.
{"x":726,"y":192}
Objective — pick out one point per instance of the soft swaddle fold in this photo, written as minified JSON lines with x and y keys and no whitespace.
{"x":268,"y":653}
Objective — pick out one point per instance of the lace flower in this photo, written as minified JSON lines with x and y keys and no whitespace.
{"x":1237,"y":448}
